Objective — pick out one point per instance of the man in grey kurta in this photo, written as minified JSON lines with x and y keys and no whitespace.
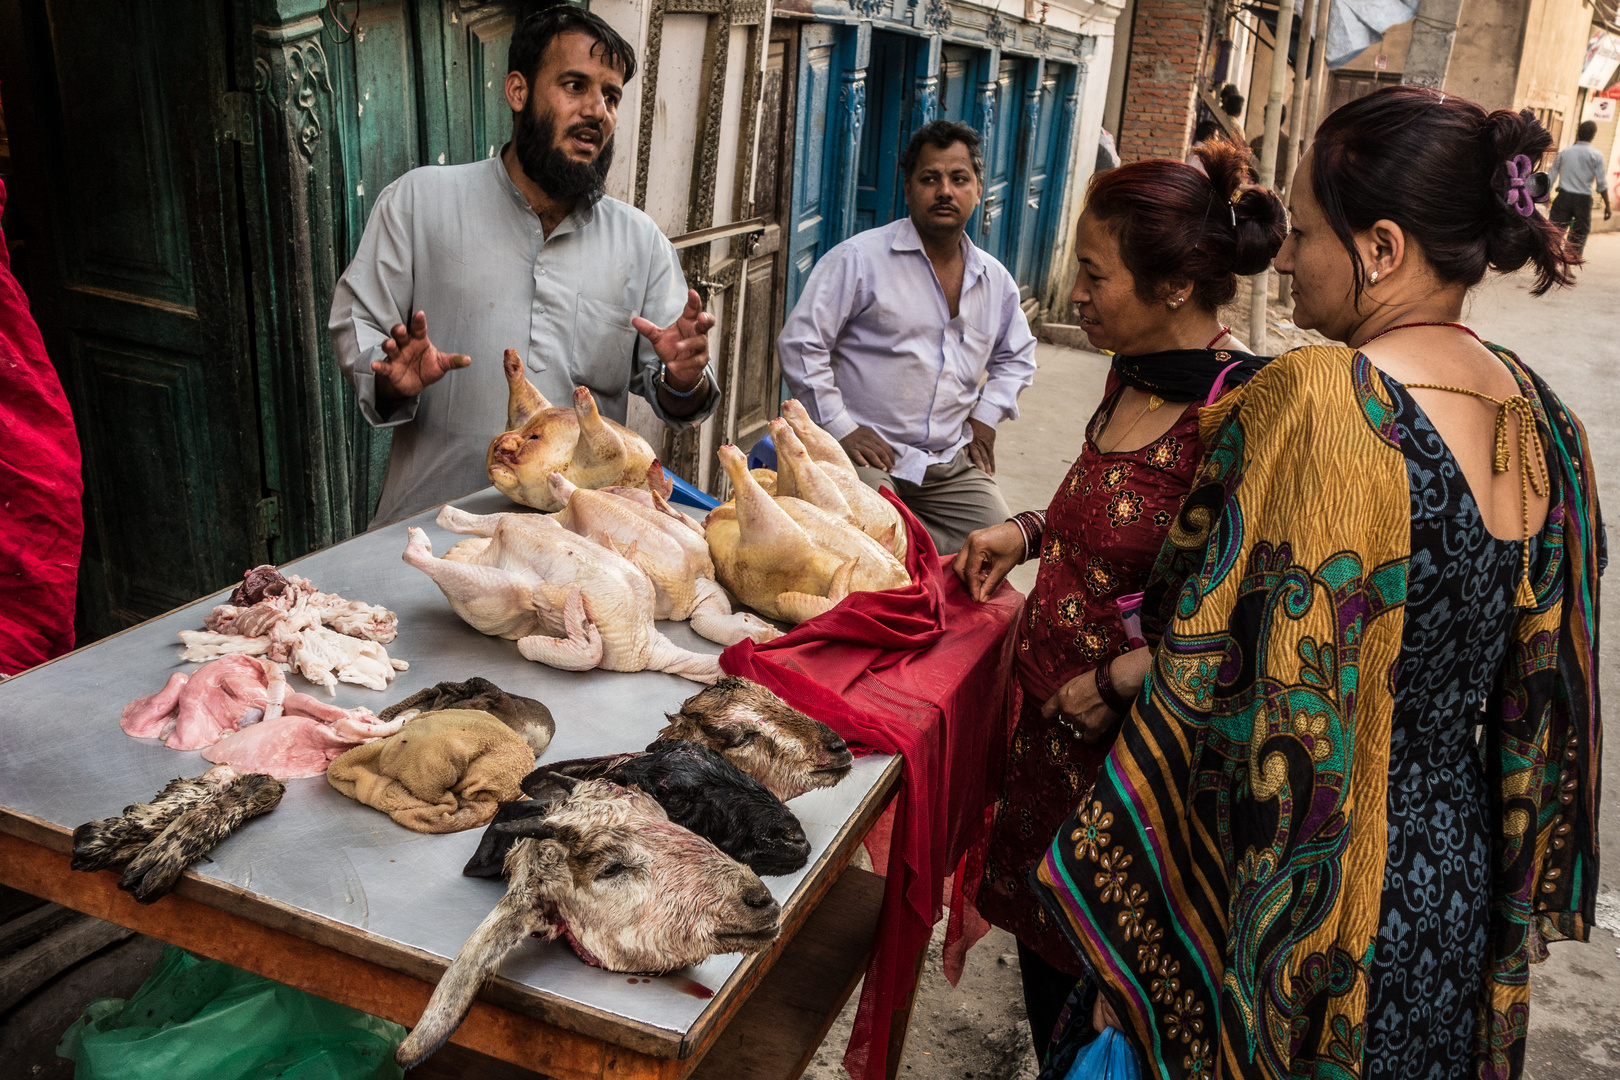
{"x":465,"y":246}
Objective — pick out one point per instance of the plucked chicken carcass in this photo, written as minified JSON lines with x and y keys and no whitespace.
{"x":787,"y":558}
{"x":567,"y":601}
{"x":578,"y":442}
{"x":663,"y":546}
{"x":870,"y":512}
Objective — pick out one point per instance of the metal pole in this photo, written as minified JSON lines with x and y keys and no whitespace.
{"x":1259,"y":284}
{"x":1318,"y":74}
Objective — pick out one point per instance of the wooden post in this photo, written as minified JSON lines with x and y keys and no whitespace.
{"x":1260,"y":283}
{"x":1296,"y":112}
{"x":1318,"y":75}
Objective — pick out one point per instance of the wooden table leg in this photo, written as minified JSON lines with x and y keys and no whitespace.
{"x":900,"y":1019}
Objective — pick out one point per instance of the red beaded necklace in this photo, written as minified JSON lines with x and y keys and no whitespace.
{"x":1406,"y":325}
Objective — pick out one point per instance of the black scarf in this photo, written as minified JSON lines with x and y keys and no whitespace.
{"x":1186,"y":374}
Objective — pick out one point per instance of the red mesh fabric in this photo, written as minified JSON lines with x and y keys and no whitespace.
{"x":920,"y":672}
{"x":41,"y":519}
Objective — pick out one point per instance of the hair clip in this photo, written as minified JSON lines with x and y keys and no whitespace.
{"x":1525,"y":187}
{"x":1233,"y":208}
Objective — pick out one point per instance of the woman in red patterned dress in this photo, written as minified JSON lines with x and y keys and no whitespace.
{"x":1160,"y":245}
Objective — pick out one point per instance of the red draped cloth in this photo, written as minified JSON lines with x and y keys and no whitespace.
{"x":41,"y":519}
{"x":917,"y":671}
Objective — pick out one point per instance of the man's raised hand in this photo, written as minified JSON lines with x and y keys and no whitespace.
{"x":683,"y":345}
{"x":413,"y":362}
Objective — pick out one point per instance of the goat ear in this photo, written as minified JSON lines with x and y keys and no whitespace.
{"x":537,"y":828}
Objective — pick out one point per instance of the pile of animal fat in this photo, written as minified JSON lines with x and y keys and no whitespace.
{"x":322,"y":636}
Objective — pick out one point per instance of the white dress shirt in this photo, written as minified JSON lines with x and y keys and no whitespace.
{"x":462,"y":244}
{"x":871,"y":343}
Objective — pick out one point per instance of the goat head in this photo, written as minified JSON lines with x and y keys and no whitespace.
{"x":530,"y":719}
{"x":630,"y":890}
{"x":762,"y":735}
{"x":698,"y":789}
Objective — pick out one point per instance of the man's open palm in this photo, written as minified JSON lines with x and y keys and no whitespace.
{"x":413,"y":361}
{"x":683,"y":345}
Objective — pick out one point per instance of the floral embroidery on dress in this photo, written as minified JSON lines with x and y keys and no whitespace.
{"x":1165,"y":453}
{"x":1162,"y":519}
{"x":1092,"y":642}
{"x":1071,"y":608}
{"x":1115,"y":475}
{"x":1124,"y":508}
{"x":1100,"y":576}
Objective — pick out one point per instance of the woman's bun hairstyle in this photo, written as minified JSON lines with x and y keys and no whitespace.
{"x":1174,"y":223}
{"x":1262,"y":222}
{"x":1448,"y":173}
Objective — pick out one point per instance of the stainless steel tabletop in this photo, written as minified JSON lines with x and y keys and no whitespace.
{"x":64,"y":760}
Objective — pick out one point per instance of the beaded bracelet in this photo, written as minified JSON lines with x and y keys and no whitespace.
{"x":1108,"y":692}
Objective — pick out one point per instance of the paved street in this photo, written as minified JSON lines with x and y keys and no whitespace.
{"x":1573,"y":339}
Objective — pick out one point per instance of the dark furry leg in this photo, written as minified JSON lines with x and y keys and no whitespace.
{"x":194,"y":833}
{"x":99,"y":844}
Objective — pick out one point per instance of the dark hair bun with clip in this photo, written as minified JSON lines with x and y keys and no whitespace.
{"x":1450,"y":175}
{"x":1176,"y":224}
{"x":1261,"y":223}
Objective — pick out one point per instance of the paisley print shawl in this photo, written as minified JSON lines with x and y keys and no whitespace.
{"x":1223,"y":877}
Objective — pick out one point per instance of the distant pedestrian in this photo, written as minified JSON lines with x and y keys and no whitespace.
{"x":1203,"y":133}
{"x":1576,"y":169}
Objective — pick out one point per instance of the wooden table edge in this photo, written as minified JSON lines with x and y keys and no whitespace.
{"x":520,"y":1025}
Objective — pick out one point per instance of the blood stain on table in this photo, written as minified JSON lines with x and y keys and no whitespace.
{"x":688,"y":986}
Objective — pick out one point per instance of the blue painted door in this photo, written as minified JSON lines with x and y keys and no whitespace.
{"x":809,"y":226}
{"x":1001,"y":121}
{"x":960,"y":69}
{"x":1043,"y":175}
{"x":879,"y":194}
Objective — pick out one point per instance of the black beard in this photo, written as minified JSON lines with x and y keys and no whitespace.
{"x":534,"y":141}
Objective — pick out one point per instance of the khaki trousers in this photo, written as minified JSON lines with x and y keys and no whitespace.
{"x":954,"y":498}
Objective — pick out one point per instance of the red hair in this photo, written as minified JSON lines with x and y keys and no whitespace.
{"x":1174,"y":223}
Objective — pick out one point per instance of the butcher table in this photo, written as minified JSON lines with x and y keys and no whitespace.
{"x":333,"y":897}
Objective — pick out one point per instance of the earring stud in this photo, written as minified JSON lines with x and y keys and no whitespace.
{"x":1373,"y":280}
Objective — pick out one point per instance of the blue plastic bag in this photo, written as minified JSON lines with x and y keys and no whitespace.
{"x":1107,"y":1057}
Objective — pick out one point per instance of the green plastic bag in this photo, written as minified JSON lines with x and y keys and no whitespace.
{"x":206,"y":1020}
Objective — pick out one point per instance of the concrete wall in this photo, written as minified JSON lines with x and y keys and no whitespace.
{"x":1485,"y":59}
{"x":1167,"y":51}
{"x":1555,"y":39}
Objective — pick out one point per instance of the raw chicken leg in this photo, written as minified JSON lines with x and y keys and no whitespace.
{"x":872,"y":513}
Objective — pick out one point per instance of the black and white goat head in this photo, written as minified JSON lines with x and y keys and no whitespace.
{"x":603,"y":866}
{"x":697,"y":788}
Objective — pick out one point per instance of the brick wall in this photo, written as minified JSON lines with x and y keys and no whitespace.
{"x":1167,"y":48}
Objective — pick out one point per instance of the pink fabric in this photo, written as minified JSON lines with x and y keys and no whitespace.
{"x":917,"y":671}
{"x":41,"y":518}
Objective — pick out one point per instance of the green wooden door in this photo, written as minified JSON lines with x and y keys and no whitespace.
{"x":127,"y":190}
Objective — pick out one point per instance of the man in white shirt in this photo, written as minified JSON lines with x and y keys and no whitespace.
{"x":1576,"y":169}
{"x":909,"y":346}
{"x":521,"y":251}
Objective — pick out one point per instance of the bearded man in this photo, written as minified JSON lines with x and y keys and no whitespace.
{"x":522,"y":250}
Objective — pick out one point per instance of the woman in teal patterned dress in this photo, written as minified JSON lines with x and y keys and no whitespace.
{"x":1359,"y":792}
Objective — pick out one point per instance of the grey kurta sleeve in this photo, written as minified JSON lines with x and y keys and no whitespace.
{"x":372,"y":297}
{"x":666,"y":299}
